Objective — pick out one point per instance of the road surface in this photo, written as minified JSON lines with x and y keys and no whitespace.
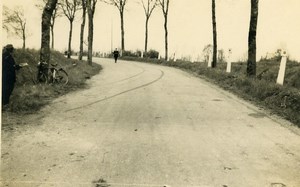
{"x":147,"y":125}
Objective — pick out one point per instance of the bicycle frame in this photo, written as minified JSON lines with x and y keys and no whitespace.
{"x":49,"y":74}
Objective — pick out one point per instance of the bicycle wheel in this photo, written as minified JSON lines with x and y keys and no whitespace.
{"x":42,"y":78}
{"x":61,"y":77}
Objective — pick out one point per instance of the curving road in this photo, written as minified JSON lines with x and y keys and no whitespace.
{"x":146,"y":125}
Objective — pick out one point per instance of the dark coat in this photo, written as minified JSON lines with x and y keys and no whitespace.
{"x":9,"y":68}
{"x":116,"y":54}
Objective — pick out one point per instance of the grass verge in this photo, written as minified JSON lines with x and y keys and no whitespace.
{"x":29,"y":96}
{"x":262,"y":90}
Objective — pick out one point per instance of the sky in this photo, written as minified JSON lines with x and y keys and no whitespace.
{"x":190,"y":27}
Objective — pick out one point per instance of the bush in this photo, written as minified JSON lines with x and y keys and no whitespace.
{"x":151,"y":54}
{"x":131,"y":54}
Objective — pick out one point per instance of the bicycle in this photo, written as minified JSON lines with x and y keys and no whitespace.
{"x":52,"y":74}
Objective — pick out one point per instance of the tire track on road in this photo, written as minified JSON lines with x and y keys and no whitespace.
{"x":118,"y":94}
{"x":127,"y":78}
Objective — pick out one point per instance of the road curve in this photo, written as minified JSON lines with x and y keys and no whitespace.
{"x":147,"y":125}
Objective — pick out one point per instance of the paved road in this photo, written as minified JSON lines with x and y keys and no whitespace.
{"x":147,"y":125}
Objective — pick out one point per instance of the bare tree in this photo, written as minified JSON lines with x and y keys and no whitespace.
{"x":214,"y":60}
{"x":164,"y":4}
{"x":82,"y":29}
{"x":206,"y":52}
{"x":91,"y":6}
{"x":70,"y":7}
{"x":148,"y":6}
{"x":120,"y":4}
{"x":57,"y":12}
{"x":45,"y":39}
{"x":5,"y":19}
{"x":251,"y":64}
{"x":221,"y":56}
{"x":15,"y":22}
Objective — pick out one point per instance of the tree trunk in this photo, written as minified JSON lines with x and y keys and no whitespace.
{"x":82,"y":30}
{"x":70,"y":39}
{"x":146,"y":34}
{"x":166,"y":37}
{"x":45,"y":38}
{"x":90,"y":38}
{"x":52,"y":37}
{"x":251,"y":64}
{"x":24,"y":40}
{"x":91,"y":5}
{"x":122,"y":31}
{"x":214,"y":60}
{"x":52,"y":27}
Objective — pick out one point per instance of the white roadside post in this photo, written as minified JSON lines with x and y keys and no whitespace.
{"x":209,"y":61}
{"x":228,"y":69}
{"x":158,"y":55}
{"x":280,"y":78}
{"x":142,"y":54}
{"x":192,"y":59}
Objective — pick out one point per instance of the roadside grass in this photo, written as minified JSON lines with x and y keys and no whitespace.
{"x":262,"y":90}
{"x":29,"y":96}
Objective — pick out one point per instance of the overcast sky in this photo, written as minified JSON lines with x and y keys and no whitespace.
{"x":190,"y":27}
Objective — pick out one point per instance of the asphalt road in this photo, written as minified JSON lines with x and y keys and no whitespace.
{"x":147,"y":125}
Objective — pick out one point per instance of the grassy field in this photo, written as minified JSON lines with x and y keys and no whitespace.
{"x":29,"y":96}
{"x":262,"y":90}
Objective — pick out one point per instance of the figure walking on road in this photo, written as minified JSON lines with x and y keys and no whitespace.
{"x":116,"y":55}
{"x":9,"y":68}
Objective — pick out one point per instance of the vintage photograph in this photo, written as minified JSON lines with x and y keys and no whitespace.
{"x":150,"y":93}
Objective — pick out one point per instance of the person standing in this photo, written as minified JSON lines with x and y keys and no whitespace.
{"x":9,"y":68}
{"x":116,"y":55}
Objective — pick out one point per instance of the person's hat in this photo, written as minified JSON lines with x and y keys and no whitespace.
{"x":9,"y":46}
